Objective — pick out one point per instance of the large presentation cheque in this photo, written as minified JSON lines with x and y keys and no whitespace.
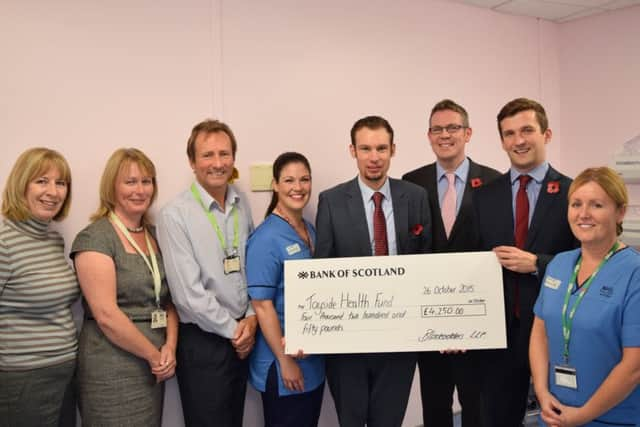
{"x":394,"y":303}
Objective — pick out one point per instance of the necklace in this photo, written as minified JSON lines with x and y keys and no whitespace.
{"x":139,"y":229}
{"x":301,"y":230}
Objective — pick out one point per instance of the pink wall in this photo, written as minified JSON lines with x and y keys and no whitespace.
{"x":599,"y":86}
{"x":298,"y":77}
{"x":86,"y":78}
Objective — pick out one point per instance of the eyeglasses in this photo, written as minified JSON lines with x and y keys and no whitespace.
{"x":452,"y":128}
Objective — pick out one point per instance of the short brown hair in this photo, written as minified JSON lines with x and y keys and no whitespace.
{"x":373,"y":123}
{"x":29,"y":165}
{"x":121,"y":159}
{"x":518,"y":105}
{"x":609,"y":181}
{"x":209,"y":126}
{"x":449,"y":105}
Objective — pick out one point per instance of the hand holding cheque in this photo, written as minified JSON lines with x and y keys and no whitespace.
{"x":394,"y":303}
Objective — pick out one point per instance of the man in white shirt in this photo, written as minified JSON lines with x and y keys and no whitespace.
{"x":202,"y":234}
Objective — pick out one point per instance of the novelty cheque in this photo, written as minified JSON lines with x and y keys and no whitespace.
{"x":394,"y":303}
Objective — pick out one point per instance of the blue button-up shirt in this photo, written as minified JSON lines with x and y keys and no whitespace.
{"x":193,"y":260}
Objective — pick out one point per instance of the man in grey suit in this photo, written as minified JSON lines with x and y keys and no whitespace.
{"x":372,"y":214}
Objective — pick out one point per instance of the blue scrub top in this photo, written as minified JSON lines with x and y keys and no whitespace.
{"x":273,"y":242}
{"x":607,"y":320}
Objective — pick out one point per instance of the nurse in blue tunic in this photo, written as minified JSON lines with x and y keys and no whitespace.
{"x":291,"y":386}
{"x":585,"y":341}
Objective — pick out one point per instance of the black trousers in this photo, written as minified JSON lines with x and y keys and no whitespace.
{"x":296,"y":410}
{"x":211,"y":378}
{"x":371,"y":389}
{"x":439,"y":375}
{"x":507,"y":377}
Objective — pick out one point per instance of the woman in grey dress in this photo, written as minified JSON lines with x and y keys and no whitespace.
{"x":128,"y":340}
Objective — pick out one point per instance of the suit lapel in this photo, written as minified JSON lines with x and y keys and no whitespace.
{"x":358,"y":217}
{"x":400,"y":216}
{"x":465,"y":203}
{"x":503,"y":217}
{"x":544,"y":203}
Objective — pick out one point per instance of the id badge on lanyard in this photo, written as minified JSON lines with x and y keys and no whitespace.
{"x":565,"y":375}
{"x":158,"y":319}
{"x":158,"y":316}
{"x":231,"y":262}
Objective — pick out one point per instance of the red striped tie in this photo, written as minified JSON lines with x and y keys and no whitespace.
{"x":379,"y":226}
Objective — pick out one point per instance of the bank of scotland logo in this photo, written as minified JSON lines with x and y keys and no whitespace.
{"x":303,"y":275}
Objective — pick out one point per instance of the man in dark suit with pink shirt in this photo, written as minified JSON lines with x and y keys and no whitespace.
{"x":450,"y":182}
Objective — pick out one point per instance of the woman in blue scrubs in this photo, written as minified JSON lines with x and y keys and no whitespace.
{"x":292,"y":387}
{"x":585,"y":341}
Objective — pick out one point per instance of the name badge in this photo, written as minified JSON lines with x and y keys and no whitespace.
{"x":231,"y":264}
{"x":158,"y":319}
{"x":552,"y":283}
{"x":566,"y":377}
{"x":293,"y":249}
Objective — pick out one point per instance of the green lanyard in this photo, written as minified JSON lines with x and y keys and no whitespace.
{"x":214,"y":223}
{"x":153,"y":265}
{"x":567,"y":320}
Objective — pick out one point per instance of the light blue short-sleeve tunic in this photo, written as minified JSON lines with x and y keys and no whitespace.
{"x":273,"y":242}
{"x":607,"y":320}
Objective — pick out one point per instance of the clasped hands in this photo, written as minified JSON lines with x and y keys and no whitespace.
{"x":245,"y":336}
{"x":163,"y":365}
{"x":555,"y":414}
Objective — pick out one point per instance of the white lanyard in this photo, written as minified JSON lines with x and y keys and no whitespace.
{"x":153,"y":265}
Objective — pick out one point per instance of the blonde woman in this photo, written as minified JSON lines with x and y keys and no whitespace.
{"x":129,"y":337}
{"x":38,"y":344}
{"x":585,"y":341}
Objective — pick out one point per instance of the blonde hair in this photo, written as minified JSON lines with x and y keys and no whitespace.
{"x":29,"y":165}
{"x":120,"y":160}
{"x":609,"y":181}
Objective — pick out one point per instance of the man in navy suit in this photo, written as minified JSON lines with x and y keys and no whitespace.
{"x":449,"y":133}
{"x":525,"y":230}
{"x":372,"y":214}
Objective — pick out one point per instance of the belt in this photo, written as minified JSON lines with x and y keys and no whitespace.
{"x":135,"y":320}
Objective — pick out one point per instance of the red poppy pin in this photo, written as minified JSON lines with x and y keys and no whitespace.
{"x":553,"y":187}
{"x":476,"y":182}
{"x":417,"y":229}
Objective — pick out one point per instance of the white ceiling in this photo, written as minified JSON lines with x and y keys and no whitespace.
{"x":552,"y":10}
